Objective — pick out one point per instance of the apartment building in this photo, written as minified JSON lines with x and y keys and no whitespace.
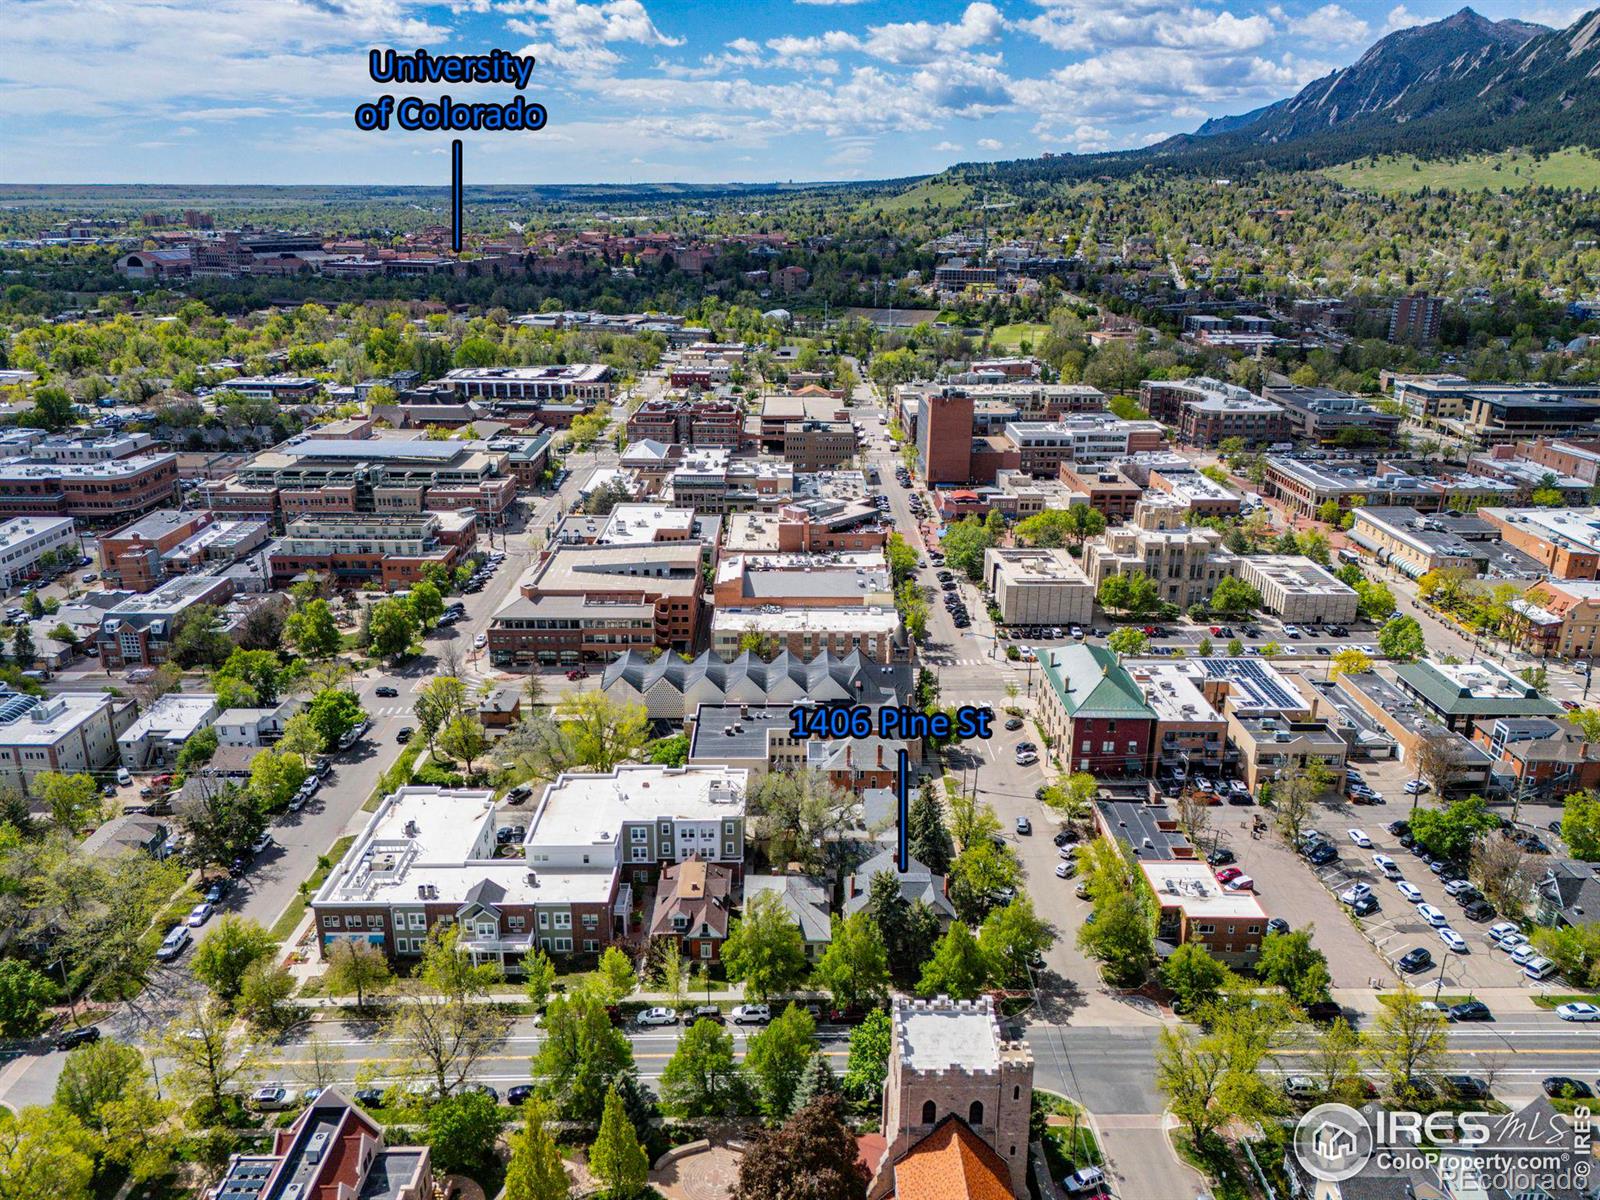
{"x":1565,"y":540}
{"x":1277,"y":748}
{"x":1186,"y":562}
{"x":588,"y":603}
{"x":82,"y":446}
{"x":944,"y":437}
{"x":875,"y":633}
{"x":138,"y":631}
{"x":1207,"y":411}
{"x":671,"y":689}
{"x":1043,"y":446}
{"x":702,"y":422}
{"x":379,"y":476}
{"x":24,"y":541}
{"x":353,"y":549}
{"x":97,"y":493}
{"x":170,"y":542}
{"x":1094,"y":712}
{"x":1298,"y":590}
{"x":1194,"y":907}
{"x":819,"y":445}
{"x":1322,"y":415}
{"x":74,"y":732}
{"x":1560,"y":616}
{"x":1543,"y":756}
{"x":833,"y":579}
{"x":1038,"y":587}
{"x":159,"y":734}
{"x":429,"y":855}
{"x":1416,"y":319}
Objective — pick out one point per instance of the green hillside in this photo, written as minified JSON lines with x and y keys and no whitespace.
{"x":1510,"y":170}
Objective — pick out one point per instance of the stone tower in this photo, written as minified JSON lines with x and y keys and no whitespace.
{"x":952,"y":1057}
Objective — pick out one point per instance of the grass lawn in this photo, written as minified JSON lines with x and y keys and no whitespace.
{"x":297,"y":907}
{"x":1509,"y":170}
{"x":1561,"y":998}
{"x":1067,"y":1148}
{"x":1011,"y":337}
{"x":935,"y":192}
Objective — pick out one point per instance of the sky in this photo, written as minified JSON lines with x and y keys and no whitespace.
{"x":263,"y":91}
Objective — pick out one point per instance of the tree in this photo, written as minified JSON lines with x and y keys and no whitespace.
{"x":928,"y":840}
{"x":582,"y":1056}
{"x":461,"y":1132}
{"x":812,"y":1157}
{"x":777,"y":1056}
{"x":1408,"y":1042}
{"x":355,"y":966}
{"x":538,"y":977}
{"x":1293,"y":802}
{"x":312,"y":630}
{"x":198,"y":750}
{"x":964,"y":545}
{"x":1435,"y":759}
{"x":441,"y":700}
{"x":1195,"y":1073}
{"x":264,"y":994}
{"x":700,"y":1079}
{"x":334,"y":713}
{"x":25,"y":993}
{"x":1580,"y":824}
{"x":1290,"y":961}
{"x":1401,"y":640}
{"x":52,"y":409}
{"x":227,"y":952}
{"x":855,"y":967}
{"x":197,"y":638}
{"x":536,"y":1171}
{"x":97,"y":916}
{"x":1011,"y":939}
{"x":1334,"y":1062}
{"x":816,"y":1080}
{"x":958,"y":967}
{"x":1121,"y":938}
{"x":617,"y":1159}
{"x":441,"y":1042}
{"x":72,"y":801}
{"x":1504,"y":873}
{"x":982,"y":873}
{"x":206,"y":1054}
{"x":803,"y":817}
{"x":1374,"y":600}
{"x":44,"y":1155}
{"x":1575,"y":949}
{"x":1235,"y":648}
{"x":1449,"y":832}
{"x":464,"y":740}
{"x":1234,"y":597}
{"x":1349,"y":661}
{"x":616,"y":977}
{"x":1193,"y":977}
{"x":301,"y":737}
{"x":275,"y":777}
{"x":868,"y":1063}
{"x":23,"y":651}
{"x":601,"y":730}
{"x":1588,"y":722}
{"x":221,"y":819}
{"x":97,"y":1074}
{"x":391,"y":628}
{"x":427,"y":605}
{"x":902,"y":558}
{"x":1128,"y":641}
{"x":261,"y":671}
{"x":764,"y":948}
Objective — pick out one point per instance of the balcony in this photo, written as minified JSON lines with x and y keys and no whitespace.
{"x":514,"y":944}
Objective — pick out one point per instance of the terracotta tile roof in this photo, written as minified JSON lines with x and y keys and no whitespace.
{"x":952,"y":1163}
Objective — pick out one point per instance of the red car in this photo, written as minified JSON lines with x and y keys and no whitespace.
{"x":1228,"y":874}
{"x":578,"y":673}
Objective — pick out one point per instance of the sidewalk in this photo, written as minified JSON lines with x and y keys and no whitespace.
{"x":1365,"y":1002}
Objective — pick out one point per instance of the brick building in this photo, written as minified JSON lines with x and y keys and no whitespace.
{"x":1094,"y":712}
{"x":353,"y":549}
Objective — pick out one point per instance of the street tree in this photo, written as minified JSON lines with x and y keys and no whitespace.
{"x":1504,"y":872}
{"x":441,"y":1042}
{"x":1012,"y":939}
{"x":1435,"y":758}
{"x":44,"y":1155}
{"x":582,"y":1057}
{"x":701,"y":1079}
{"x":616,"y":1158}
{"x":538,"y":978}
{"x":764,"y":948}
{"x":615,"y":975}
{"x":207,"y":1053}
{"x":868,"y":1063}
{"x":275,"y":777}
{"x":97,"y":1074}
{"x":855,"y":967}
{"x":391,"y":628}
{"x":1407,"y":1044}
{"x":464,"y":739}
{"x":1334,"y":1060}
{"x":957,"y":969}
{"x":334,"y":713}
{"x":221,"y":820}
{"x":1193,"y":977}
{"x":227,"y":952}
{"x":1401,"y":640}
{"x":427,"y":605}
{"x":1290,"y":961}
{"x":355,"y":966}
{"x":1451,"y":831}
{"x":441,"y":700}
{"x":776,"y":1058}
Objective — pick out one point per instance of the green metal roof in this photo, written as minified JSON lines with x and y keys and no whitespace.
{"x":1090,"y":682}
{"x":1436,"y":689}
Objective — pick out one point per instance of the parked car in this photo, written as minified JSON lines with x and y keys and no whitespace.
{"x":1466,"y":1087}
{"x":1066,"y":870}
{"x":177,"y":939}
{"x":1578,"y":1012}
{"x":1024,"y":826}
{"x":1454,"y":940}
{"x":386,"y":690}
{"x":198,"y":915}
{"x":1478,"y":910}
{"x":750,"y":1014}
{"x":707,"y":1012}
{"x":657,"y":1016}
{"x":1220,"y":857}
{"x":404,"y":734}
{"x":519,"y":1094}
{"x":1277,"y":925}
{"x":1413,"y":961}
{"x":1565,"y":1087}
{"x":1087,"y":1179}
{"x":77,"y":1037}
{"x":1360,"y":838}
{"x":1432,"y":915}
{"x":271,"y":1098}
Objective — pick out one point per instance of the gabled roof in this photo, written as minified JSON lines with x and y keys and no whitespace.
{"x":952,"y":1163}
{"x":804,"y":899}
{"x":1437,"y":690}
{"x":750,"y":679}
{"x":1090,"y":682}
{"x":916,"y":883}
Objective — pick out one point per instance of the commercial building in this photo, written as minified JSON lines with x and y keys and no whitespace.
{"x":1094,"y":712}
{"x":1559,"y":616}
{"x":98,"y":493}
{"x":429,"y":854}
{"x":812,"y":406}
{"x":1149,"y":830}
{"x":711,"y":481}
{"x":354,"y":549}
{"x":1306,"y":486}
{"x":1298,"y":590}
{"x":1565,"y":540}
{"x":380,"y":476}
{"x":171,"y":542}
{"x":813,"y":524}
{"x":1186,"y":562}
{"x":160,"y":732}
{"x":673,"y":690}
{"x":1498,"y":418}
{"x":1463,"y":696}
{"x":1191,"y":736}
{"x":509,"y":388}
{"x":1038,"y":587}
{"x":1322,"y":415}
{"x":282,"y":389}
{"x":1415,"y":543}
{"x":831,"y":579}
{"x":26,"y":540}
{"x":819,"y":445}
{"x":875,"y":633}
{"x":1505,"y":463}
{"x":1199,"y":495}
{"x":332,"y":1149}
{"x":703,"y":422}
{"x":590,"y":602}
{"x":1194,"y":907}
{"x":1412,"y":723}
{"x":1250,"y":687}
{"x":1436,"y":399}
{"x":139,"y":630}
{"x":1103,"y":489}
{"x":956,"y":1104}
{"x":71,"y":732}
{"x":1207,"y":411}
{"x":1541,"y":756}
{"x":1274,"y":748}
{"x":634,"y":524}
{"x":1565,"y":457}
{"x":944,"y":437}
{"x":1043,"y":446}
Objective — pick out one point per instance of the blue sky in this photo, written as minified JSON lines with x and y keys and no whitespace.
{"x":261,"y":91}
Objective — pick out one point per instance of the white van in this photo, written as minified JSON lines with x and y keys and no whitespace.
{"x":1085,"y":1180}
{"x":123,"y":776}
{"x":172,"y":945}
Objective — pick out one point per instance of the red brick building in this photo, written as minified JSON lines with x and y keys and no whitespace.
{"x":691,"y":910}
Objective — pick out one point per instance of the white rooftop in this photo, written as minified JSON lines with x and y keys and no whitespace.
{"x":1170,"y":690}
{"x":938,"y":1035}
{"x":1192,"y":887}
{"x":590,"y":809}
{"x":804,"y":620}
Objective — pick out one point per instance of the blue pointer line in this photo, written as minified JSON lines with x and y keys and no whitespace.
{"x":455,"y":195}
{"x":904,"y":806}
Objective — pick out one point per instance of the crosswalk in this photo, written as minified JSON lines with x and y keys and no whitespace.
{"x":390,"y":710}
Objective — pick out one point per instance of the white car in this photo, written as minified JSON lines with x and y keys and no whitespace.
{"x":1578,"y":1012}
{"x":1241,"y":883}
{"x":1499,"y":930}
{"x":1524,"y":954}
{"x":1064,"y":870}
{"x":1409,"y":890}
{"x":198,"y":915}
{"x":1453,"y":940}
{"x":1432,"y":916}
{"x":1416,"y":787}
{"x":657,"y":1016}
{"x":755,"y":1014}
{"x":479,"y":642}
{"x":1387,"y":865}
{"x":1512,"y":942}
{"x":1355,"y":893}
{"x":1360,"y":838}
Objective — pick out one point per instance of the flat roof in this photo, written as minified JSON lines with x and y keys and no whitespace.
{"x":1570,"y":528}
{"x":940,"y":1035}
{"x":1191,"y":886}
{"x":590,"y":809}
{"x":1255,"y":684}
{"x":20,"y":529}
{"x":1138,"y":823}
{"x":1169,"y":688}
{"x":1298,"y":575}
{"x":1038,"y":566}
{"x":804,"y":620}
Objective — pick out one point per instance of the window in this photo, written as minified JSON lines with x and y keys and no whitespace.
{"x":727,"y":849}
{"x":590,"y":921}
{"x":563,"y":943}
{"x":679,"y":921}
{"x":419,"y":921}
{"x":641,"y":854}
{"x":374,"y":921}
{"x":705,"y":949}
{"x":929,"y":1112}
{"x":638,"y":833}
{"x":516,"y":923}
{"x":352,"y":922}
{"x":1205,"y":928}
{"x":975,"y":1113}
{"x":1016,"y":1094}
{"x":666,"y":829}
{"x":590,"y":945}
{"x":1108,"y":747}
{"x":330,"y":922}
{"x":544,"y":920}
{"x":563,"y":920}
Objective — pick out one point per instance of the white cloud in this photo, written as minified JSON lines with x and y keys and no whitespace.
{"x":1160,"y":23}
{"x":571,"y":21}
{"x":990,"y":144}
{"x":1401,"y":17}
{"x":1333,"y":24}
{"x":925,"y":41}
{"x":948,"y":147}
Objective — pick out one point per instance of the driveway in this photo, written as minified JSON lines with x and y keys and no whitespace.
{"x":1140,"y":1156}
